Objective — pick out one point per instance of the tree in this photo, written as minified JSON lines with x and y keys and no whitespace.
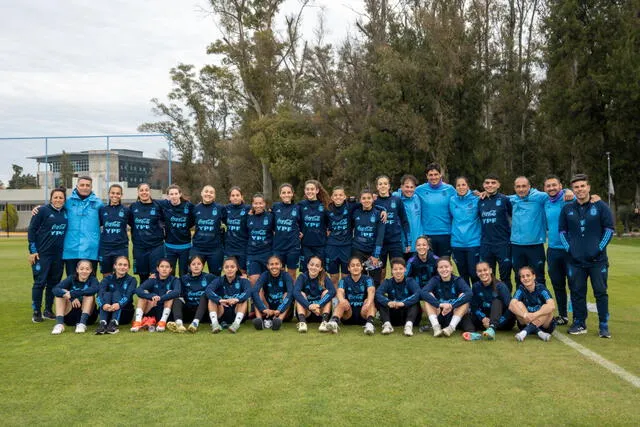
{"x":20,"y":181}
{"x":9,"y":218}
{"x":66,"y":170}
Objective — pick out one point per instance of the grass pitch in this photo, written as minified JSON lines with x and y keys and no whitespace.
{"x":283,"y":378}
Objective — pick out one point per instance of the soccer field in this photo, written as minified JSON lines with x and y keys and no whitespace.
{"x":284,"y":378}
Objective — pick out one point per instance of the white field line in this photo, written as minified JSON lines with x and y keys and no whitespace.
{"x":595,"y":357}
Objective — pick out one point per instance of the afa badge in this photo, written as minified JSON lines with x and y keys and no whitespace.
{"x":153,"y":212}
{"x":593,"y":211}
{"x":499,"y":202}
{"x":121,"y":214}
{"x":372,"y":218}
{"x":393,"y":205}
{"x":265,"y":221}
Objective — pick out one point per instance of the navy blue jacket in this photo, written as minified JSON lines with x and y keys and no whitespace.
{"x":208,"y":220}
{"x":46,"y":231}
{"x":397,"y":225}
{"x":455,"y":292}
{"x":340,"y":224}
{"x":287,"y":227}
{"x":166,"y":289}
{"x":260,"y":228}
{"x":407,"y":292}
{"x":113,"y":223}
{"x":368,"y":231}
{"x":125,"y":286}
{"x":313,"y":290}
{"x":76,"y":288}
{"x":495,"y":218}
{"x":483,"y":297}
{"x":356,"y":292}
{"x":585,"y":232}
{"x":314,"y":223}
{"x":221,"y":288}
{"x":533,"y":300}
{"x":422,"y":271}
{"x":147,"y":225}
{"x":277,"y":290}
{"x":193,"y":287}
{"x":178,"y":221}
{"x":236,"y":237}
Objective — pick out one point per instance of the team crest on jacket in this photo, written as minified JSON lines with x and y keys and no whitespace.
{"x":214,"y":212}
{"x":152,"y":212}
{"x":237,"y":286}
{"x":321,"y":208}
{"x":498,"y":202}
{"x":242,"y":212}
{"x":372,"y":219}
{"x":121,"y":214}
{"x":265,"y":221}
{"x":186,"y":209}
{"x":294,"y":213}
{"x":393,"y":205}
{"x":593,"y":211}
{"x":203,"y":283}
{"x":65,"y":215}
{"x":344,"y":212}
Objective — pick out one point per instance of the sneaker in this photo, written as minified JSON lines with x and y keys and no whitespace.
{"x":48,"y":315}
{"x":268,"y":324}
{"x":437,"y":331}
{"x":81,"y":328}
{"x":102,"y":328}
{"x":332,"y":326}
{"x":172,"y":327}
{"x":193,"y":328}
{"x":577,"y":329}
{"x":215,"y":327}
{"x":544,"y":336}
{"x":448,"y":331}
{"x":277,"y":323}
{"x":561,"y":320}
{"x":604,"y":331}
{"x":181,"y":329}
{"x":369,"y":329}
{"x":136,"y":326}
{"x":37,"y":317}
{"x":148,"y":322}
{"x":425,"y":328}
{"x":489,"y":334}
{"x":112,"y":328}
{"x":161,"y":326}
{"x":302,"y":327}
{"x":233,"y":328}
{"x":57,"y":329}
{"x":408,"y":331}
{"x":520,"y":336}
{"x":471,"y":336}
{"x":323,"y":327}
{"x":258,"y":324}
{"x":387,"y":328}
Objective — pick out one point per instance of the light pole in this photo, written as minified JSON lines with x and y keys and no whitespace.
{"x":609,"y":183}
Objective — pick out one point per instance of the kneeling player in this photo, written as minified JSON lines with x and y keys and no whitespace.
{"x":397,"y":299}
{"x":272,"y":296}
{"x":356,"y":295}
{"x":533,"y":307}
{"x":155,"y":298}
{"x":75,"y":299}
{"x":228,"y":296}
{"x":313,"y":292}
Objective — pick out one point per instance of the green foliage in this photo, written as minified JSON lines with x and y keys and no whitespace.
{"x":20,"y":181}
{"x":66,"y":170}
{"x":9,"y":218}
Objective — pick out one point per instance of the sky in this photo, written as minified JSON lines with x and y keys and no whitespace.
{"x":85,"y":67}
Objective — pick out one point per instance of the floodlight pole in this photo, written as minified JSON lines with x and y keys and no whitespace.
{"x":46,"y":169}
{"x":106,"y":178}
{"x":168,"y":136}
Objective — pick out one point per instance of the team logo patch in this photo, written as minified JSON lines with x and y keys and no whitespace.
{"x":321,"y":208}
{"x":344,"y":212}
{"x":372,"y":219}
{"x":121,"y":214}
{"x":498,"y":203}
{"x":393,"y":205}
{"x":203,"y":283}
{"x":294,"y":213}
{"x":237,"y":286}
{"x":593,"y":211}
{"x":153,"y":212}
{"x":214,"y":212}
{"x":243,"y":213}
{"x":65,"y":215}
{"x":265,"y":221}
{"x":186,"y":210}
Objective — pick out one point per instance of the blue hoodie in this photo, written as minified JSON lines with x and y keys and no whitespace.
{"x":434,"y":206}
{"x":465,"y":227}
{"x":82,"y":240}
{"x":46,"y":231}
{"x":552,"y":208}
{"x":528,"y":226}
{"x":413,"y":209}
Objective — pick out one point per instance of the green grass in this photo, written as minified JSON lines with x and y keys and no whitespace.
{"x":285,"y":378}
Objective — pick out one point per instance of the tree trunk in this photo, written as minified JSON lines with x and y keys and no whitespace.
{"x":267,"y":181}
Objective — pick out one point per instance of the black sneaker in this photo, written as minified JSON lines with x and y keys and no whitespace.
{"x":425,"y":328}
{"x":277,"y":323}
{"x":48,"y":314}
{"x":101,"y":329}
{"x":37,"y":317}
{"x":112,"y":328}
{"x":577,"y":329}
{"x":561,"y":320}
{"x":257,"y":323}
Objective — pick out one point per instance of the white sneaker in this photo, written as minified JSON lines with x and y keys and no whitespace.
{"x":323,"y":327}
{"x":387,"y":328}
{"x":437,"y":330}
{"x":302,"y":327}
{"x":448,"y":331}
{"x":544,"y":336}
{"x":369,"y":329}
{"x":215,"y":327}
{"x":332,"y":326}
{"x":520,"y":336}
{"x":408,"y":330}
{"x":81,"y":328}
{"x":57,"y":329}
{"x":233,"y":328}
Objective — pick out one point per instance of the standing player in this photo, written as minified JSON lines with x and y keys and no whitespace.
{"x":286,"y":240}
{"x":155,"y":298}
{"x":465,"y":230}
{"x":368,"y":234}
{"x":340,"y":229}
{"x":228,"y":296}
{"x":313,"y":227}
{"x":411,"y":201}
{"x":313,"y":293}
{"x":147,"y":233}
{"x":75,"y":298}
{"x":114,"y":240}
{"x":533,"y":307}
{"x":207,"y":237}
{"x":236,"y":237}
{"x":586,"y":228}
{"x":46,"y":238}
{"x":260,"y":227}
{"x":115,"y":297}
{"x":495,"y":242}
{"x":178,"y":221}
{"x":397,"y":300}
{"x":272,"y":296}
{"x":434,"y":206}
{"x":489,"y":305}
{"x":396,"y":228}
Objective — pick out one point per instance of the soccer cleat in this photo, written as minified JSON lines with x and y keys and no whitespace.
{"x":136,"y":326}
{"x":387,"y":328}
{"x":437,"y":331}
{"x":149,"y":322}
{"x":520,"y":336}
{"x":408,"y":331}
{"x":102,"y":328}
{"x":577,"y":329}
{"x":369,"y":329}
{"x":332,"y":326}
{"x":161,"y":326}
{"x":37,"y":317}
{"x":172,"y":327}
{"x":323,"y":327}
{"x":233,"y":328}
{"x":193,"y":328}
{"x":544,"y":336}
{"x":277,"y":324}
{"x":604,"y":331}
{"x":181,"y":329}
{"x":258,"y":324}
{"x":561,"y":320}
{"x":448,"y":331}
{"x":48,"y":315}
{"x":425,"y":328}
{"x":215,"y":327}
{"x":57,"y":329}
{"x":112,"y":328}
{"x":81,"y":328}
{"x":489,"y":334}
{"x":302,"y":327}
{"x":471,"y":336}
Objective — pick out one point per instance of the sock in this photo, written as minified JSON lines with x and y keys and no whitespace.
{"x":103,"y":316}
{"x":239,"y":317}
{"x":179,"y":322}
{"x":335,"y":319}
{"x":370,"y":319}
{"x":301,"y":318}
{"x":531,"y":329}
{"x":213,"y":316}
{"x":139,"y":314}
{"x":59,"y":320}
{"x":325,"y":317}
{"x":165,"y":314}
{"x":196,"y":322}
{"x":84,"y":317}
{"x":115,"y":317}
{"x":434,"y":320}
{"x":454,"y":321}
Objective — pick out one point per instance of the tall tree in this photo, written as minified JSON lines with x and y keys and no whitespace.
{"x":66,"y":170}
{"x":20,"y":181}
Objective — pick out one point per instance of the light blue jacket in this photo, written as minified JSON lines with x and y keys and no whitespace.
{"x":552,"y":209}
{"x":413,"y":209}
{"x":434,"y":201}
{"x":83,"y":228}
{"x":528,"y":222}
{"x":465,"y":227}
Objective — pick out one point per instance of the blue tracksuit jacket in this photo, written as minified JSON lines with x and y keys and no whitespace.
{"x":585,"y":232}
{"x":412,"y":208}
{"x":193,"y":287}
{"x":456,"y":291}
{"x":46,"y":231}
{"x":465,"y":225}
{"x":236,"y":237}
{"x":287,"y":227}
{"x":125,"y":286}
{"x":114,"y":221}
{"x":368,"y":231}
{"x":422,"y":271}
{"x":483,"y":296}
{"x":147,"y":225}
{"x":221,"y":288}
{"x":76,"y":288}
{"x":82,"y":240}
{"x":495,"y":215}
{"x":166,"y":289}
{"x":406,"y":292}
{"x":313,"y":290}
{"x":533,"y":300}
{"x":278,"y":291}
{"x":397,"y":225}
{"x":528,"y":223}
{"x":208,"y":220}
{"x":434,"y":208}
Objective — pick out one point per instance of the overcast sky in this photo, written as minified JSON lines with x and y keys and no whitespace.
{"x":86,"y":67}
